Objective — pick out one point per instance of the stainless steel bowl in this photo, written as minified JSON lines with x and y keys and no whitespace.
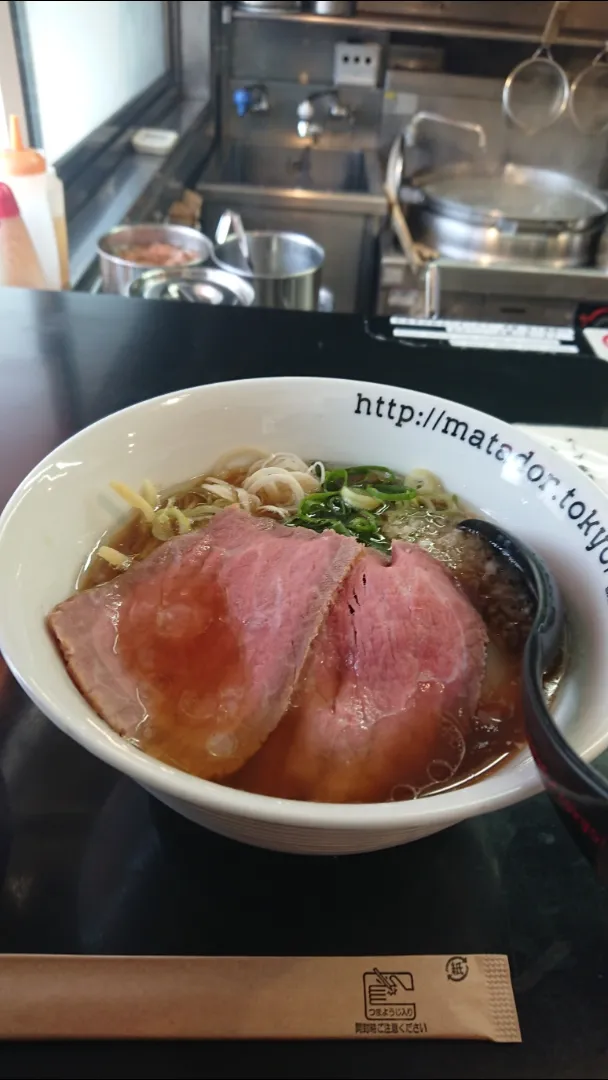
{"x":198,"y":285}
{"x":270,"y":5}
{"x":117,"y":273}
{"x":334,"y":7}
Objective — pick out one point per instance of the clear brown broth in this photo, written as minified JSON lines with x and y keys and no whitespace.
{"x":496,"y":734}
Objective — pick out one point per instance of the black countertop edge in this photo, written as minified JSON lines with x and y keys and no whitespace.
{"x":92,"y":864}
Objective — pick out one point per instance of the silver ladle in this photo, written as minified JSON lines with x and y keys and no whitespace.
{"x":232,"y":222}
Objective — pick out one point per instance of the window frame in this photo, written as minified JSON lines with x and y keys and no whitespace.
{"x":11,"y":93}
{"x":85,"y":167}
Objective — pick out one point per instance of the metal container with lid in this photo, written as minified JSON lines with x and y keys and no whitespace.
{"x":512,"y":213}
{"x":198,"y":285}
{"x":495,"y":213}
{"x":518,"y":193}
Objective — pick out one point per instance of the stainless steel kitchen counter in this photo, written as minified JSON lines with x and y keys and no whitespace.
{"x":331,"y":192}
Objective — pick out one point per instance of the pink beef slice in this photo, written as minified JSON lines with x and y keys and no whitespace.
{"x":401,"y":651}
{"x":195,"y":652}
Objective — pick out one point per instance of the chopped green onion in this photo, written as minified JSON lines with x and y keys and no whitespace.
{"x":360,"y":498}
{"x":370,"y":474}
{"x":390,"y":492}
{"x":351,"y":503}
{"x":341,"y":527}
{"x":363,"y":524}
{"x":321,"y":504}
{"x":319,"y":523}
{"x":335,"y":479}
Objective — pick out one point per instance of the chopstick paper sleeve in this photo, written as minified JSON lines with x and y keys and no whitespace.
{"x":232,"y":997}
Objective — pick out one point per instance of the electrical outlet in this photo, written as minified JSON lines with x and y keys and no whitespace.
{"x":356,"y":65}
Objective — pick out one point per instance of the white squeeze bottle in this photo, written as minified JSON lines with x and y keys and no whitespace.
{"x":25,"y":171}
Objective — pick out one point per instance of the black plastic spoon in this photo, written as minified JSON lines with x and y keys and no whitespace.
{"x":578,"y":791}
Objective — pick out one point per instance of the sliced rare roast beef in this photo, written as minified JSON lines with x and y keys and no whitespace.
{"x":195,"y":653}
{"x":394,"y":674}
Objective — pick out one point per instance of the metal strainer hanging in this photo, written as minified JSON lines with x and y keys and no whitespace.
{"x":536,"y":92}
{"x":589,"y":96}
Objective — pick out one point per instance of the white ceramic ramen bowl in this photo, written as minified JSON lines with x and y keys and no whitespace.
{"x":58,"y":513}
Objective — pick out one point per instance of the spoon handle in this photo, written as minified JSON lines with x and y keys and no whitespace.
{"x":578,"y":792}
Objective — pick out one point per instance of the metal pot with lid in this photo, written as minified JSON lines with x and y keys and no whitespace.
{"x":200,"y":285}
{"x":493,"y":213}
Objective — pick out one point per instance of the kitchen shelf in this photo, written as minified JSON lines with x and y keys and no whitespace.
{"x":393,"y":24}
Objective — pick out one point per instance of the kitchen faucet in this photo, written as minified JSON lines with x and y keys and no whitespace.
{"x":411,"y":131}
{"x":251,"y":99}
{"x":306,"y":127}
